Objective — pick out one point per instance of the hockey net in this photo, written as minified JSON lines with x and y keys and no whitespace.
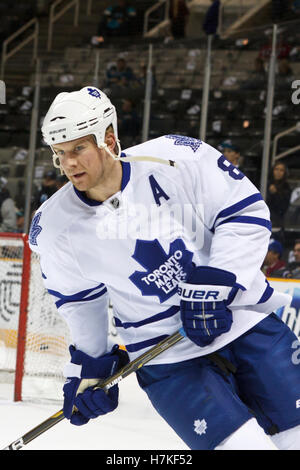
{"x":34,"y":338}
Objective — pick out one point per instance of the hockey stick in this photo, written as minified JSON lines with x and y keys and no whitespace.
{"x":105,"y":384}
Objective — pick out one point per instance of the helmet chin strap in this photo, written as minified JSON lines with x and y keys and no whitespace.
{"x":104,"y":146}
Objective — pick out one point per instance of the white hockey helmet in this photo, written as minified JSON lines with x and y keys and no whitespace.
{"x":75,"y":114}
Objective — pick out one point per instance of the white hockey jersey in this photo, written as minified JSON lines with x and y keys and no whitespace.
{"x":136,"y":246}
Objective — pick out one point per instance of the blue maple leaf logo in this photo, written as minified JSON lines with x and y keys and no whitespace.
{"x":162,"y":271}
{"x":94,"y":92}
{"x":186,"y":141}
{"x":35,"y":229}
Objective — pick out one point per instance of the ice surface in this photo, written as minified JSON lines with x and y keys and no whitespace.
{"x":134,"y":425}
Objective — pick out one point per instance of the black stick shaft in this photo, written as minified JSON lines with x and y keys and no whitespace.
{"x":133,"y":366}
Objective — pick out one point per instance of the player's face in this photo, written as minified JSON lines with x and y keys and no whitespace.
{"x":85,"y":165}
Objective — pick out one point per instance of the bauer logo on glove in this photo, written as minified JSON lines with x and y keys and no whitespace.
{"x":203,"y":306}
{"x":188,"y":292}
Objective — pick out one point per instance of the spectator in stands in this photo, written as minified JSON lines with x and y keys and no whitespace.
{"x":128,"y":124}
{"x":211,"y":19}
{"x":297,"y":251}
{"x":8,"y":218}
{"x":120,"y":74}
{"x":117,"y":20}
{"x":273,"y":264}
{"x":179,"y":14}
{"x":278,"y":194}
{"x":292,"y":270}
{"x":48,"y":188}
{"x":232,"y":153}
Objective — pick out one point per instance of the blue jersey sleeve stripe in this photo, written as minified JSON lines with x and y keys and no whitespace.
{"x":248,"y":201}
{"x":77,"y":296}
{"x":267,"y":294}
{"x":159,"y":316}
{"x":61,"y":302}
{"x":133,"y":347}
{"x":243,"y":219}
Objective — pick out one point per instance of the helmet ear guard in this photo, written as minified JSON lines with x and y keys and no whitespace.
{"x":57,"y":165}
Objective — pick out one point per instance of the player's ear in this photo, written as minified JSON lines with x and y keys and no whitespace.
{"x":110,"y":140}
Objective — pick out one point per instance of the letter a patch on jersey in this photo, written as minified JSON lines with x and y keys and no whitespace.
{"x":157,"y":190}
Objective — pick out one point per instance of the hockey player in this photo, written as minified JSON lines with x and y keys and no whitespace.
{"x":174,"y":235}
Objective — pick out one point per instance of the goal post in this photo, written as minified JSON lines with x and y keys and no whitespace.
{"x":24,"y":300}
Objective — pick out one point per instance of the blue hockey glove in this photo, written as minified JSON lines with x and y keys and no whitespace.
{"x":83,"y":373}
{"x":203,"y":304}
